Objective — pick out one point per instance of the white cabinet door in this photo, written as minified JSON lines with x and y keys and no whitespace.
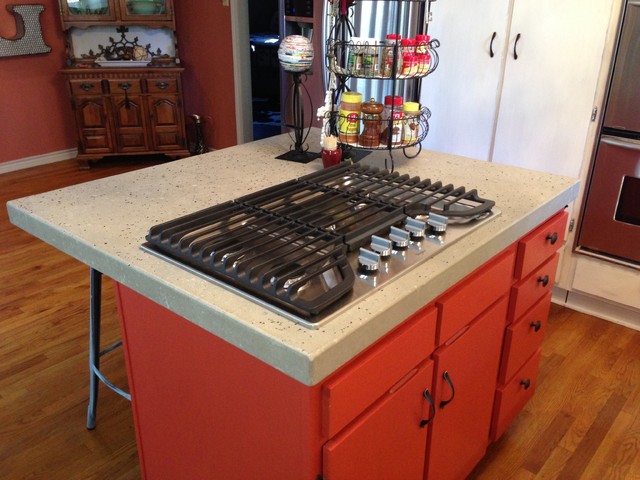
{"x":549,"y":91}
{"x":462,"y":93}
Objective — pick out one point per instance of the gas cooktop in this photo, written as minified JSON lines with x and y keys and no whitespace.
{"x":311,"y":246}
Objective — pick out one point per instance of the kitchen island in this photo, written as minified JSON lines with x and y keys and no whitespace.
{"x":103,"y":224}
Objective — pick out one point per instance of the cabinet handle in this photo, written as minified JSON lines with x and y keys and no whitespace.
{"x":124,"y":86}
{"x":87,"y":86}
{"x":162,"y":85}
{"x":544,"y":280}
{"x":525,"y":383}
{"x":515,"y":47}
{"x":493,"y":37}
{"x":447,"y":379}
{"x":432,"y":407}
{"x":552,"y":237}
{"x":536,"y":325}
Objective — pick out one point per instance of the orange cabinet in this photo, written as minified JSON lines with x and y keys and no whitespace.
{"x":127,"y":112}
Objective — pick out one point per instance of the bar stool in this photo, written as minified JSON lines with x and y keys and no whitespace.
{"x":95,"y":375}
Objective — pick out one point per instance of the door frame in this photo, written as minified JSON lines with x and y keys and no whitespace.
{"x":241,"y":70}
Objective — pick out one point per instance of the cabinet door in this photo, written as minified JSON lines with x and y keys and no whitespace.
{"x":146,"y":10}
{"x":464,"y":384}
{"x":130,"y":120}
{"x":167,"y":122}
{"x":548,"y":91}
{"x":87,"y":10}
{"x":389,"y":440}
{"x":462,"y":93}
{"x":93,"y":124}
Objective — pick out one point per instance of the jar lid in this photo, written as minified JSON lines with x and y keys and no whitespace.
{"x":412,"y":107}
{"x":407,"y":42}
{"x":423,"y":38}
{"x":352,"y":97}
{"x":394,"y":36}
{"x":393,"y":100}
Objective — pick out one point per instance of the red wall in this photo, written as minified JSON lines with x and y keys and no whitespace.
{"x":35,"y":112}
{"x":204,"y":45}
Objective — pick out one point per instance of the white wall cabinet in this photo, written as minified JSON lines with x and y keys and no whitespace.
{"x":532,"y":111}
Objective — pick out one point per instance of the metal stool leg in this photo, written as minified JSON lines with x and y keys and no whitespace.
{"x":95,"y":376}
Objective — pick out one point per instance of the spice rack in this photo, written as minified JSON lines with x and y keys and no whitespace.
{"x":394,"y":61}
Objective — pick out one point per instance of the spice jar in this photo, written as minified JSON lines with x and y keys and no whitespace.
{"x":349,"y":117}
{"x":371,"y":64}
{"x":371,"y":111}
{"x":355,"y":56}
{"x":391,"y":47}
{"x":422,"y":44}
{"x":409,"y":65}
{"x":410,"y":123}
{"x":424,"y":61}
{"x":392,"y":120}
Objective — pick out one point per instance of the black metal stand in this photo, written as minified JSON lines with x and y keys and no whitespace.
{"x":299,"y":153}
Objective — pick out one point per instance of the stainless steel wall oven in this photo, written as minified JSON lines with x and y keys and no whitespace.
{"x":610,"y":225}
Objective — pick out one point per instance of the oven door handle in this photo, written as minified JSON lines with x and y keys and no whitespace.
{"x":621,"y":142}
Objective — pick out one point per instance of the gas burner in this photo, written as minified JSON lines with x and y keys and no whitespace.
{"x":311,"y":246}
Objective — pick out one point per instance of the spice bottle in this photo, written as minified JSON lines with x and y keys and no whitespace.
{"x":410,"y":123}
{"x":392,"y":120}
{"x":371,"y":64}
{"x":371,"y":111}
{"x":391,"y":47}
{"x":331,"y":152}
{"x":409,"y":65}
{"x":355,"y":56}
{"x":349,"y":117}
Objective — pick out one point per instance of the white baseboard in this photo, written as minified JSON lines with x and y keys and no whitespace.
{"x":37,"y":160}
{"x":612,"y":312}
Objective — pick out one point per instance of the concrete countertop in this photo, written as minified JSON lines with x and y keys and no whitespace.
{"x":103,"y":223}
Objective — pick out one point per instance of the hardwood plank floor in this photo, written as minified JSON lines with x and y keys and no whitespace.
{"x":582,"y":423}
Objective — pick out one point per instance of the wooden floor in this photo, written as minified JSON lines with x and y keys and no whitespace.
{"x":583,"y":422}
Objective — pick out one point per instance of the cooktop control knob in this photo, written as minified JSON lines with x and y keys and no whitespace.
{"x":368,"y":261}
{"x":399,"y":237}
{"x":416,"y":228}
{"x":438,"y":223}
{"x":381,"y":246}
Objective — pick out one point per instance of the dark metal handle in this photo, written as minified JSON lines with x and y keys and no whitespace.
{"x":447,"y":379}
{"x":536,"y":325}
{"x":87,"y":86}
{"x":525,"y":383}
{"x":493,"y":37}
{"x":432,"y":407}
{"x":124,"y":86}
{"x":515,"y":47}
{"x":553,"y":237}
{"x":162,"y":85}
{"x":544,"y":280}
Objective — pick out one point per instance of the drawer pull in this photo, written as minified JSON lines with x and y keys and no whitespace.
{"x":124,"y":86}
{"x":432,"y":407}
{"x":525,"y":383}
{"x":544,"y":280}
{"x":552,"y":237}
{"x":536,"y":325}
{"x":447,"y":379}
{"x":87,"y":86}
{"x":162,"y":85}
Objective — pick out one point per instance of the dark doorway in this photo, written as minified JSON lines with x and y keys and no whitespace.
{"x":265,"y":68}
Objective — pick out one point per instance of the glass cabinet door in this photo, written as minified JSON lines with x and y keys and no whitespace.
{"x":146,"y":9}
{"x":88,"y":10}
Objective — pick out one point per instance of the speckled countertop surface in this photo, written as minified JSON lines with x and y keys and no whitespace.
{"x":104,"y":222}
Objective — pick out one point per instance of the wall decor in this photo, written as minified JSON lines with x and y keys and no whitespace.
{"x":28,"y":38}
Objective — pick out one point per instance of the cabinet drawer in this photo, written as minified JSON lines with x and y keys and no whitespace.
{"x":540,"y":244}
{"x":528,"y":291}
{"x":162,"y":85}
{"x":523,"y":338}
{"x":512,"y":397}
{"x":374,"y":372}
{"x":466,"y":300}
{"x":91,"y":86}
{"x":128,"y":85}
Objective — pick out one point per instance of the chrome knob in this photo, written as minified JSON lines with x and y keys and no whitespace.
{"x":368,"y":261}
{"x":438,"y":223}
{"x":399,"y":237}
{"x":381,"y":246}
{"x":416,"y":228}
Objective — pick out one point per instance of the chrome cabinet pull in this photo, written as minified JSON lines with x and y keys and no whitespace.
{"x":552,"y":237}
{"x":447,"y":379}
{"x":432,"y":407}
{"x":536,"y":325}
{"x":544,"y":280}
